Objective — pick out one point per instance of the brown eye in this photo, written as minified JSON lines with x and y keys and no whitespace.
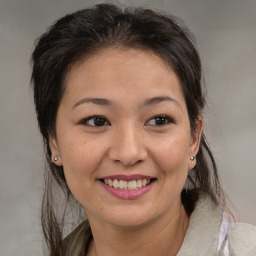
{"x":160,"y":120}
{"x":95,"y":121}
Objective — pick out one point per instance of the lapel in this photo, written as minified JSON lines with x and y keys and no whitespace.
{"x":202,"y":236}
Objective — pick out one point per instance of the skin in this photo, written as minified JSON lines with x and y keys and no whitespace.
{"x":129,"y":142}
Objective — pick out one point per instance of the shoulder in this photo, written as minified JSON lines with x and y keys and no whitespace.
{"x":78,"y":240}
{"x":212,"y":231}
{"x":242,"y":240}
{"x":202,"y":235}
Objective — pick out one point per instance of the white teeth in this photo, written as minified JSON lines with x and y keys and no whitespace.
{"x":139,"y":183}
{"x":115,"y":184}
{"x":123,"y":184}
{"x":131,"y":185}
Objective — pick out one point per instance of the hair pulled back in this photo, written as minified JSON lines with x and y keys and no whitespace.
{"x":87,"y":32}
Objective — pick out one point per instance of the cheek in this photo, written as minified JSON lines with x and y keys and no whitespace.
{"x":80,"y":155}
{"x":171,"y":159}
{"x":81,"y":159}
{"x":172,"y":155}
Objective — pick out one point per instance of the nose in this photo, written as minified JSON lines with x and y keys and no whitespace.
{"x":127,"y":146}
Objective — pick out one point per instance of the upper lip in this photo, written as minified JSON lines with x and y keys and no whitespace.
{"x":127,"y":177}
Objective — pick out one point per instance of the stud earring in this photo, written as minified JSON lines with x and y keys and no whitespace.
{"x":192,"y":158}
{"x":55,"y":158}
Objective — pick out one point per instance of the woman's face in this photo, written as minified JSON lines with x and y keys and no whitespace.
{"x":123,"y":137}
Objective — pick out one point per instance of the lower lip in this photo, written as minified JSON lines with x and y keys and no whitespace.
{"x":128,"y":194}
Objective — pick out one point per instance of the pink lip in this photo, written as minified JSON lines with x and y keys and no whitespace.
{"x":127,"y":194}
{"x":127,"y":177}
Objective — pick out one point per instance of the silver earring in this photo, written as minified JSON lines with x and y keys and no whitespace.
{"x":55,"y":158}
{"x":192,"y":158}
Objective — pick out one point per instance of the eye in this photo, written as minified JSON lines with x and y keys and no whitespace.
{"x":159,"y":120}
{"x":95,"y":121}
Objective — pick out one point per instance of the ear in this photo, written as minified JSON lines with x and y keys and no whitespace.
{"x":56,"y":156}
{"x":195,"y":142}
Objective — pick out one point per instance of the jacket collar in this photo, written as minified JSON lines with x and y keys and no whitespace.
{"x":202,"y":236}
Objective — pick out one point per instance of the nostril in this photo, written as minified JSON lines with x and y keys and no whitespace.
{"x":128,"y":162}
{"x":128,"y":152}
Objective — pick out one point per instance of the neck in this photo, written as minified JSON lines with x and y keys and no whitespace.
{"x":162,"y":236}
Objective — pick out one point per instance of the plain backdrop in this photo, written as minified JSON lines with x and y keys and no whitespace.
{"x":226,"y":38}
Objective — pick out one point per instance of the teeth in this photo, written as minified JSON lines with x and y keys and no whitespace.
{"x":123,"y":184}
{"x":139,"y":183}
{"x":130,"y":185}
{"x":115,"y":184}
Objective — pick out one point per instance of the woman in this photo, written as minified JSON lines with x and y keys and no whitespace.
{"x":119,"y":104}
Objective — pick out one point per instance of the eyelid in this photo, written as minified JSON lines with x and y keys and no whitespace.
{"x":84,"y":120}
{"x":170,"y":120}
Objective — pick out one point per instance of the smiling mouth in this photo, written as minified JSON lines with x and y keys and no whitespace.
{"x":127,"y":185}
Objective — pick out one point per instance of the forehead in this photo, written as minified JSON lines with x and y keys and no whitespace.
{"x":116,"y":70}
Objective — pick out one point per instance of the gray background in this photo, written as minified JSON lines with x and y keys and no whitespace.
{"x":226,"y":37}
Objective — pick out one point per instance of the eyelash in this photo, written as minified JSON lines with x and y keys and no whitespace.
{"x":86,"y":120}
{"x":167,"y":120}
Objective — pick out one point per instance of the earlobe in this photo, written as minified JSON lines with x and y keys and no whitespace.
{"x":56,"y":157}
{"x":195,"y":142}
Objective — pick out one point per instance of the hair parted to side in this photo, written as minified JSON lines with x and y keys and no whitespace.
{"x":85,"y":33}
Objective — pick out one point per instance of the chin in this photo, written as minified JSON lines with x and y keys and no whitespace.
{"x":129,"y":217}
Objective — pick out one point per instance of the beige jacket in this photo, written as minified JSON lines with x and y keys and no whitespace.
{"x":210,"y":233}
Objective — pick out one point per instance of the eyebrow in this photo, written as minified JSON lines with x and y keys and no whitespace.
{"x":97,"y":101}
{"x":106,"y":102}
{"x":157,"y":100}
